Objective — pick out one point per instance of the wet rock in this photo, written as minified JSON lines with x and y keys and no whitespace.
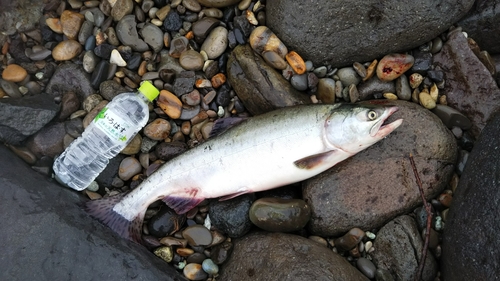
{"x":127,"y":34}
{"x":194,"y":271}
{"x":70,"y":77}
{"x":373,"y":87}
{"x":197,"y":235}
{"x":184,"y":83}
{"x":279,"y":215}
{"x":110,"y":89}
{"x":66,"y":50}
{"x":469,"y":86}
{"x":399,"y":249}
{"x":216,"y":42}
{"x":392,"y":66}
{"x":48,"y":141}
{"x":40,"y":207}
{"x":14,"y":73}
{"x":259,"y":87}
{"x":23,"y":117}
{"x":279,"y":256}
{"x":349,"y":240}
{"x":10,"y":88}
{"x":158,"y":130}
{"x":202,"y":28}
{"x":71,"y":23}
{"x":471,"y":225}
{"x":383,"y":185}
{"x":168,"y":150}
{"x":296,"y":23}
{"x":326,"y":90}
{"x":129,"y":167}
{"x":165,"y":222}
{"x":477,"y":24}
{"x":231,"y":216}
{"x":153,"y":36}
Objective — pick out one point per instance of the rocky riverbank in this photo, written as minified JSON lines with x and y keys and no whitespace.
{"x":63,"y":61}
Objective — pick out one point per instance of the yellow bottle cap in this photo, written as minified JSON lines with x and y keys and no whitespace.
{"x":148,"y":90}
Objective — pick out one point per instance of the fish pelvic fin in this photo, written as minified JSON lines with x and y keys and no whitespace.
{"x":313,"y":161}
{"x":102,"y":210}
{"x":180,"y":204}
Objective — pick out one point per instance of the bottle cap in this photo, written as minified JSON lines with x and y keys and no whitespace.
{"x":148,"y":90}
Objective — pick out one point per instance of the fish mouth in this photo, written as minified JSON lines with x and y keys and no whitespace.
{"x":387,"y":128}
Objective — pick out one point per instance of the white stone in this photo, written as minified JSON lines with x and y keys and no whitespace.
{"x":117,"y":59}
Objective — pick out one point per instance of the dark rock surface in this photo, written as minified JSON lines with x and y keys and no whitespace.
{"x":472,"y":227}
{"x":70,"y":77}
{"x":343,"y":32}
{"x":399,"y":249}
{"x":260,"y":87}
{"x":21,"y":118}
{"x":47,"y":236}
{"x":378,"y":184}
{"x":231,"y":216}
{"x":279,"y":256}
{"x":469,"y":86}
{"x":482,"y":23}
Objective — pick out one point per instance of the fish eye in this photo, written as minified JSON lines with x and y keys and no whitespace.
{"x":372,"y":115}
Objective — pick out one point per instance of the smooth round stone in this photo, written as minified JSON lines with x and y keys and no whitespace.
{"x":218,"y":80}
{"x":360,"y":69}
{"x":218,"y":3}
{"x":192,"y":98}
{"x":274,"y":60}
{"x":452,"y":117}
{"x":392,"y":66}
{"x":366,"y":267}
{"x":202,"y":28}
{"x":349,"y":240}
{"x":66,"y":50}
{"x":127,"y":34}
{"x":165,"y":222}
{"x":85,"y":31}
{"x":134,"y":146}
{"x":116,"y":58}
{"x":426,"y":100}
{"x":280,"y":215}
{"x":40,"y":55}
{"x":90,"y":43}
{"x":170,"y":104}
{"x":191,"y":5}
{"x":153,"y":36}
{"x":296,"y":62}
{"x":191,"y":60}
{"x":403,"y":90}
{"x":320,"y":71}
{"x":129,"y":167}
{"x":71,"y":23}
{"x":213,"y":12}
{"x":112,"y":37}
{"x":197,"y":235}
{"x":14,"y":73}
{"x":348,"y":76}
{"x":299,"y":82}
{"x":262,"y":38}
{"x":216,"y":42}
{"x":97,"y":15}
{"x":33,"y":88}
{"x":189,"y":112}
{"x":100,"y":74}
{"x":168,"y":150}
{"x":158,"y":130}
{"x":194,"y":271}
{"x":319,"y":239}
{"x":210,"y":267}
{"x":178,"y":46}
{"x":122,"y":8}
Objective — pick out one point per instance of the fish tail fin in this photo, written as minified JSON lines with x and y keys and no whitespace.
{"x":102,"y":210}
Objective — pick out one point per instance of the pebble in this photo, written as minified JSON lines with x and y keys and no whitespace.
{"x":153,"y":36}
{"x":274,"y":60}
{"x":165,"y":253}
{"x":170,"y":104}
{"x":299,"y":82}
{"x":116,"y":58}
{"x":129,"y":167}
{"x":126,"y":32}
{"x":452,"y":117}
{"x":197,"y":235}
{"x":71,"y":23}
{"x":426,"y":100}
{"x":392,"y":66}
{"x":191,"y":60}
{"x":383,"y":275}
{"x":403,"y":89}
{"x":168,"y":150}
{"x":104,"y":50}
{"x":121,"y":8}
{"x":165,"y":222}
{"x":210,"y":267}
{"x":221,"y":252}
{"x":178,"y":46}
{"x":279,"y":215}
{"x":172,"y":22}
{"x":366,"y":267}
{"x":390,"y":96}
{"x":262,"y":38}
{"x":216,"y":42}
{"x":370,"y":70}
{"x":415,"y":80}
{"x":326,"y":90}
{"x":194,"y":271}
{"x":296,"y":62}
{"x":134,"y":146}
{"x":319,"y":239}
{"x":40,"y":54}
{"x":353,"y":93}
{"x":192,"y":99}
{"x":348,"y":76}
{"x":172,"y":241}
{"x":360,"y":69}
{"x":14,"y":73}
{"x":184,"y":252}
{"x":218,"y":3}
{"x":202,"y":27}
{"x":158,"y":130}
{"x":66,"y":50}
{"x":217,"y":80}
{"x":434,"y":92}
{"x":191,"y":5}
{"x":349,"y":240}
{"x":320,"y":71}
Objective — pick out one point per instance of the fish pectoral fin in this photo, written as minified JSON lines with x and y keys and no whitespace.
{"x":238,"y":193}
{"x":183,"y":201}
{"x":312,"y":161}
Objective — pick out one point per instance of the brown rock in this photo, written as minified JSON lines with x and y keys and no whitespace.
{"x":14,"y":73}
{"x":134,"y":146}
{"x":392,"y":66}
{"x":66,"y":50}
{"x":71,"y":23}
{"x":48,"y":141}
{"x":121,"y":9}
{"x":158,"y":130}
{"x":170,"y":104}
{"x":260,"y":87}
{"x":377,"y":184}
{"x":469,"y":86}
{"x":286,"y":257}
{"x":218,"y":80}
{"x":296,"y":62}
{"x":69,"y":104}
{"x":54,"y":24}
{"x":263,"y":39}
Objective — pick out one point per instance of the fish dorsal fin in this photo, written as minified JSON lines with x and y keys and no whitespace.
{"x":223,"y":124}
{"x":312,"y":161}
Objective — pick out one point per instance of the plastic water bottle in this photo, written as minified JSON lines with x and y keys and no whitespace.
{"x":110,"y":131}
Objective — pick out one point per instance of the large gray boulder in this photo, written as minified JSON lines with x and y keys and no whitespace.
{"x":343,"y":32}
{"x":47,"y":236}
{"x":472,"y":229}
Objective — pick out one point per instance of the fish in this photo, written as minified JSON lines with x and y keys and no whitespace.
{"x":278,"y":148}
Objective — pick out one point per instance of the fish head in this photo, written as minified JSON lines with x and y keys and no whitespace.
{"x":354,"y":127}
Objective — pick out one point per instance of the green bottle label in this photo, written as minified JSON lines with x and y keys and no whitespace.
{"x":114,"y":126}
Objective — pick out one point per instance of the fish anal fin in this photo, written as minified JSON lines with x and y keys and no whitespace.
{"x":231,"y":196}
{"x":102,"y":210}
{"x":223,"y":124}
{"x":312,"y":161}
{"x":183,"y":201}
